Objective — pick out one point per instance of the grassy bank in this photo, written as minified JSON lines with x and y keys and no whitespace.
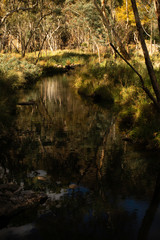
{"x":114,"y":81}
{"x":18,"y":72}
{"x":23,"y":72}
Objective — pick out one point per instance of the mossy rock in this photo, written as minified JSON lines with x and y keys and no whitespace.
{"x":103,"y":93}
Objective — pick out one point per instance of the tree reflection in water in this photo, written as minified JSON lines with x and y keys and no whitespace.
{"x":78,"y":143}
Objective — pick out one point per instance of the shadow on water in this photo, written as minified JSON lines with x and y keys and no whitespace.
{"x":148,"y":220}
{"x":99,"y":187}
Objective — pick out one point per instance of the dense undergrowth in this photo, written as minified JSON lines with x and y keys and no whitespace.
{"x":111,"y":82}
{"x":18,"y":72}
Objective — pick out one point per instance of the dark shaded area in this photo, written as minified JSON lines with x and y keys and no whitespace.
{"x":98,"y":186}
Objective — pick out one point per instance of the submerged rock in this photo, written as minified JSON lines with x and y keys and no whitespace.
{"x":13,"y":200}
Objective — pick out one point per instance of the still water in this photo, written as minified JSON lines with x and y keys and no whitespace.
{"x":99,"y":187}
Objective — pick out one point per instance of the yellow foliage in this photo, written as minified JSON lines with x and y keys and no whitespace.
{"x":121,"y":13}
{"x":78,"y":82}
{"x":42,"y":63}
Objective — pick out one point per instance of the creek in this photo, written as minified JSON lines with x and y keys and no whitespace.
{"x":98,"y":186}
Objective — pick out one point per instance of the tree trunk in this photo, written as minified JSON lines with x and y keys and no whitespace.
{"x":23,"y":49}
{"x":110,"y":28}
{"x":41,"y":47}
{"x":148,"y":62}
{"x":157,"y":9}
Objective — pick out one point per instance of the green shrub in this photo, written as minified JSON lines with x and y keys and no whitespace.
{"x":146,"y":124}
{"x":19,"y":72}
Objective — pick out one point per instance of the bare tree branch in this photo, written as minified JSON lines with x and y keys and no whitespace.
{"x":16,"y":10}
{"x":149,"y":94}
{"x":148,"y":62}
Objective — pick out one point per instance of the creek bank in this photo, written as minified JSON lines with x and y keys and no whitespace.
{"x":14,"y":200}
{"x":58,"y":69}
{"x":101,"y":95}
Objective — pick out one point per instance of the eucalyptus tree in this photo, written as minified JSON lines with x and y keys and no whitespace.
{"x":125,"y":16}
{"x":8,"y":8}
{"x":105,"y":13}
{"x":156,"y":88}
{"x":26,"y":19}
{"x":84,"y":24}
{"x":157,"y":9}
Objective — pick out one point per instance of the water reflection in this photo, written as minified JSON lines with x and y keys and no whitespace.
{"x":99,"y":186}
{"x":150,"y":213}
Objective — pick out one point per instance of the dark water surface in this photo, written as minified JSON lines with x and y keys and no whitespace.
{"x":99,"y":187}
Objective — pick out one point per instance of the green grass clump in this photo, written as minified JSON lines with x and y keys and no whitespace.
{"x":120,"y":73}
{"x":147,"y":124}
{"x":63,"y":58}
{"x":141,"y":123}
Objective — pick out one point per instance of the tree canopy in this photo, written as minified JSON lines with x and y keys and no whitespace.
{"x":85,"y":24}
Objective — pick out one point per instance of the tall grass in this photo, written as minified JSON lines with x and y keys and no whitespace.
{"x":62,"y":58}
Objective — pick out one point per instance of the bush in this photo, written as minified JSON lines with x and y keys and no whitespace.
{"x":19,"y":72}
{"x":147,"y":124}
